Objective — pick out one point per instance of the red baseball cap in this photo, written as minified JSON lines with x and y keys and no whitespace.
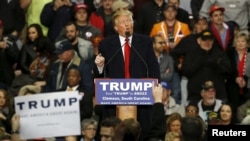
{"x":1,"y":23}
{"x":215,"y":8}
{"x":80,"y":6}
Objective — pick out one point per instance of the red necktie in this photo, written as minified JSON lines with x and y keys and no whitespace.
{"x":126,"y":56}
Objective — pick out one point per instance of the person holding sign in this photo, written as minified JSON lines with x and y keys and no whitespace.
{"x":127,"y":55}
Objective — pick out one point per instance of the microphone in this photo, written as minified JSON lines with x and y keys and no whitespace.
{"x":127,"y":33}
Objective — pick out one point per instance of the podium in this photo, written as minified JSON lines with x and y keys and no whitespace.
{"x":126,"y":94}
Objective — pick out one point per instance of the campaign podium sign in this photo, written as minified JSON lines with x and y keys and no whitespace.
{"x":124,"y":91}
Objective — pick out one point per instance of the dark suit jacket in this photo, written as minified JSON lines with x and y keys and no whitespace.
{"x":86,"y":104}
{"x":111,"y":50}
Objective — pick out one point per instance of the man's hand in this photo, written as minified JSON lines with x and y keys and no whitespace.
{"x":157,"y":92}
{"x":99,"y":60}
{"x":58,"y":4}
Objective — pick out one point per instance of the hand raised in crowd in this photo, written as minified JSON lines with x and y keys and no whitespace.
{"x":58,"y":4}
{"x":67,"y":2}
{"x":15,"y":122}
{"x":3,"y":44}
{"x":99,"y":60}
{"x":157,"y":92}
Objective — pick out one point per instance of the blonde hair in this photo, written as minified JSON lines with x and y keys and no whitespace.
{"x":121,"y":13}
{"x":241,"y":35}
{"x":172,"y":117}
{"x":170,"y":136}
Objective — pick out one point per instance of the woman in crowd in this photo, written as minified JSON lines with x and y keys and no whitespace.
{"x":174,"y":123}
{"x":89,"y":127}
{"x":226,"y":115}
{"x":6,"y":110}
{"x":28,"y":52}
{"x":236,"y":84}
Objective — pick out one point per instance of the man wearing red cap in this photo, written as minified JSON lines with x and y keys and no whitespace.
{"x":222,"y":31}
{"x":86,"y":30}
{"x":235,"y":10}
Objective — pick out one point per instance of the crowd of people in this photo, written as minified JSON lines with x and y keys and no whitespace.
{"x":197,"y":50}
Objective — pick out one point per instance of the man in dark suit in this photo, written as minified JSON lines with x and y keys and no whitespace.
{"x":85,"y":97}
{"x":142,"y":61}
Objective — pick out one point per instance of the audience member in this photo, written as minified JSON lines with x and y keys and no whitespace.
{"x":110,"y":62}
{"x":85,"y":30}
{"x":58,"y":71}
{"x":33,"y":11}
{"x":128,"y":130}
{"x":164,"y":59}
{"x":6,"y":110}
{"x":37,"y":68}
{"x":172,"y":31}
{"x":208,"y":63}
{"x":182,"y":15}
{"x":88,"y":129}
{"x":191,"y":110}
{"x":170,"y":105}
{"x":107,"y":129}
{"x":13,"y":17}
{"x":181,"y":50}
{"x":9,"y":54}
{"x":209,"y":104}
{"x":236,"y":10}
{"x":83,"y":47}
{"x":222,"y":31}
{"x":28,"y":52}
{"x":102,"y":18}
{"x":227,"y":115}
{"x":174,"y":122}
{"x":55,"y":15}
{"x":192,"y":129}
{"x":237,"y":82}
{"x":73,"y":84}
{"x":150,"y":13}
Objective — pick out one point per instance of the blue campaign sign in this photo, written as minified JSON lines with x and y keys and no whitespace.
{"x":124,"y":91}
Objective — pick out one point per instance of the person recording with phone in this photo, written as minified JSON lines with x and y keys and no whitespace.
{"x":9,"y":53}
{"x":127,"y":55}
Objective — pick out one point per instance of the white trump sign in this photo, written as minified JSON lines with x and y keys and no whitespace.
{"x":48,"y":114}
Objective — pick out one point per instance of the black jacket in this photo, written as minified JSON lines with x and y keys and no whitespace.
{"x":200,"y":66}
